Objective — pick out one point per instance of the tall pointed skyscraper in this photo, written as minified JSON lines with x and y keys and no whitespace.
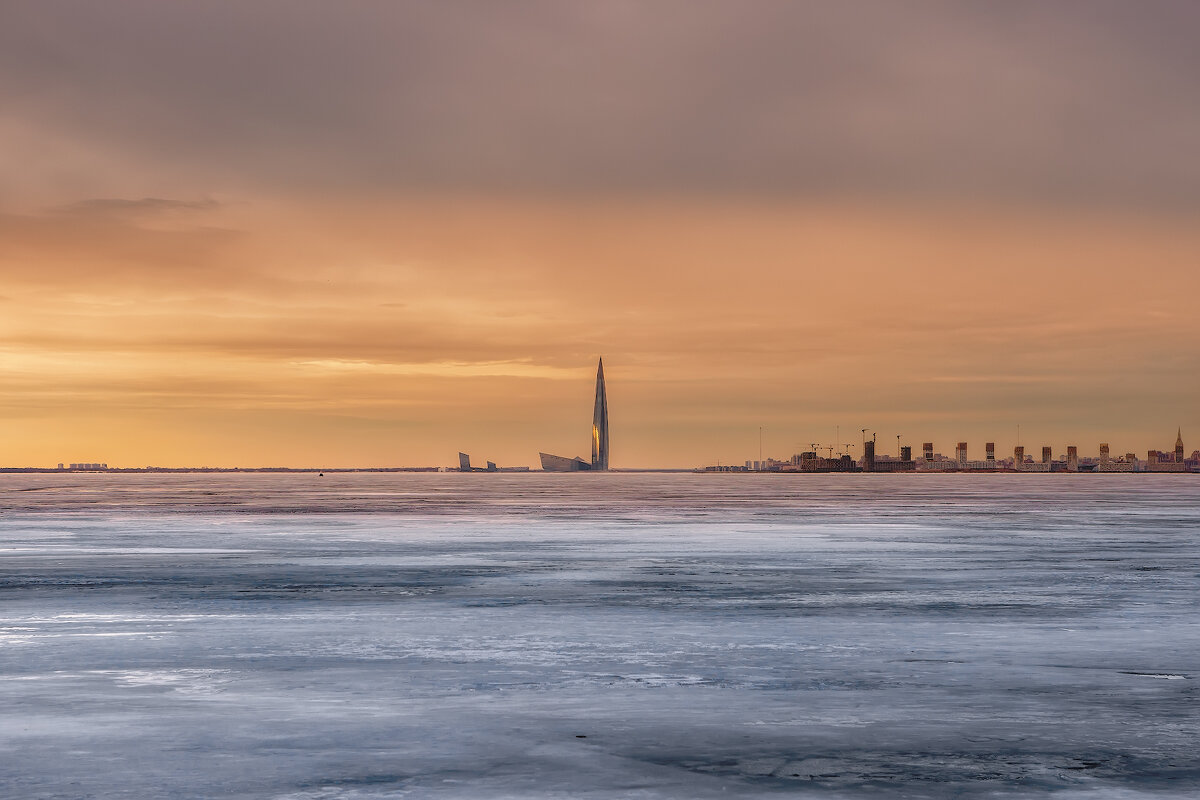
{"x":600,"y":422}
{"x":553,"y":463}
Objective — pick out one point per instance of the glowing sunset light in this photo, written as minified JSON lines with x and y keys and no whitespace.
{"x":375,"y":237}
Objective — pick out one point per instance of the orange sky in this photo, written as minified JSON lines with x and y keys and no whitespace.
{"x":307,"y":293}
{"x":396,"y":333}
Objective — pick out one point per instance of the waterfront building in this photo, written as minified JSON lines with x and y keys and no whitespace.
{"x":464,"y":465}
{"x":600,"y":441}
{"x":894,"y":465}
{"x":600,"y":422}
{"x":1022,"y":463}
{"x":1158,"y":461}
{"x":936,"y":462}
{"x":811,"y":462}
{"x":1109,"y":464}
{"x":1163,"y":464}
{"x":563,"y":464}
{"x":868,"y":459}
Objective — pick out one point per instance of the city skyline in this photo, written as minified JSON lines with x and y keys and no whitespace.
{"x":929,"y":451}
{"x":929,"y":458}
{"x":370,"y":238}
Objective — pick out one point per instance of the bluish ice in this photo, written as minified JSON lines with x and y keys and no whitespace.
{"x":599,"y":636}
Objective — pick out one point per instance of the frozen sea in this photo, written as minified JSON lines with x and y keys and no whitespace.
{"x":599,"y":636}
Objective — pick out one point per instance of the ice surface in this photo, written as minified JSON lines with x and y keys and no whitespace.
{"x":599,"y":636}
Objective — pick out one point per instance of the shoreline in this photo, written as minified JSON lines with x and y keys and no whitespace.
{"x":521,"y":471}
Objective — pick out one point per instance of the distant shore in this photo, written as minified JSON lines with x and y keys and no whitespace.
{"x":284,"y":470}
{"x":511,"y":471}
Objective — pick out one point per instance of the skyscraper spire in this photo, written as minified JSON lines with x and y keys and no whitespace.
{"x":553,"y":463}
{"x":600,"y":422}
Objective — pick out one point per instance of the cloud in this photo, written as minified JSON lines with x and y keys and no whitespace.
{"x":145,"y":207}
{"x":506,"y":369}
{"x":113,"y":244}
{"x":1056,"y":103}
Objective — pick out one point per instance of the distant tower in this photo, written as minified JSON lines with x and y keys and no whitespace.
{"x":1179,"y":447}
{"x":600,"y":422}
{"x":960,"y":454}
{"x":990,"y":450}
{"x":1019,"y":456}
{"x":927,"y":450}
{"x":1072,"y":458}
{"x":1046,"y":455}
{"x":1105,"y":453}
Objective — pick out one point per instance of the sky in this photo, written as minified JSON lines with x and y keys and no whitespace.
{"x":377,"y":233}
